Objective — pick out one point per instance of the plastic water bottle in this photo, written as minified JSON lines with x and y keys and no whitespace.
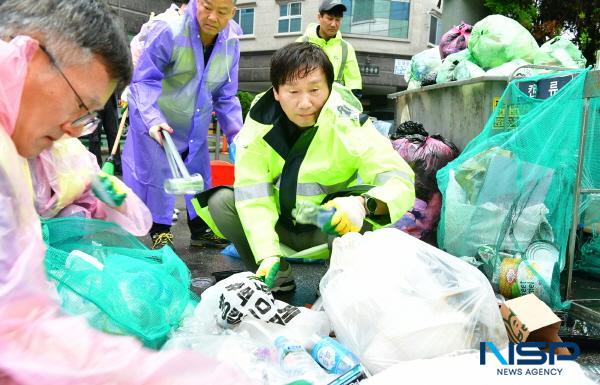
{"x":311,"y":213}
{"x":332,"y":355}
{"x":296,"y":362}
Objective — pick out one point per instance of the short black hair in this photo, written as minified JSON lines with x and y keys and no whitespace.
{"x":296,"y":61}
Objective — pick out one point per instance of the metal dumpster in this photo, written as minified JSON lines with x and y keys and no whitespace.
{"x":456,"y":110}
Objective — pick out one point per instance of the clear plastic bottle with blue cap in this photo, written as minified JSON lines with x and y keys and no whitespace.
{"x":331,"y":355}
{"x":311,"y":213}
{"x":296,"y":362}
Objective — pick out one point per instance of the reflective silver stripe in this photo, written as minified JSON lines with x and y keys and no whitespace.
{"x":343,"y":63}
{"x":312,"y":189}
{"x":255,"y":191}
{"x":385,"y":176}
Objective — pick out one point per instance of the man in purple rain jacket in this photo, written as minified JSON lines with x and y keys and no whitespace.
{"x":188,"y":69}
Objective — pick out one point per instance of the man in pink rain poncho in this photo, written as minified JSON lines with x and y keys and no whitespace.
{"x":60,"y":60}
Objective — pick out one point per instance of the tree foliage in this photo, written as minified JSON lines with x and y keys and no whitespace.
{"x":548,"y":18}
{"x":245,"y":100}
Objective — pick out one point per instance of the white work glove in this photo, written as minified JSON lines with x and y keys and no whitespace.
{"x":349,"y":214}
{"x":155,"y":134}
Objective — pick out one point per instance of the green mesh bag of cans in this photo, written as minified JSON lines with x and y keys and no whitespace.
{"x":108,"y":276}
{"x":589,"y":209}
{"x":508,"y":198}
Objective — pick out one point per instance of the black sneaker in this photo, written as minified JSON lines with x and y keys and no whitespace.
{"x":208,"y":239}
{"x":161,"y":239}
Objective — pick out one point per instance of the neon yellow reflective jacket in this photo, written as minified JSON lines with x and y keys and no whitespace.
{"x":341,"y":152}
{"x":340,"y":52}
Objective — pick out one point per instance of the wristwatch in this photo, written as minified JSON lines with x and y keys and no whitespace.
{"x":370,"y":205}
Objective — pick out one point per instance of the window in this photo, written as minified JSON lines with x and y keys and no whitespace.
{"x":377,"y":17}
{"x":290,"y":17}
{"x":363,"y":11}
{"x":435,"y":29}
{"x":245,"y":18}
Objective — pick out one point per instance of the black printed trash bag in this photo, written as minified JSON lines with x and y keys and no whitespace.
{"x":237,"y":322}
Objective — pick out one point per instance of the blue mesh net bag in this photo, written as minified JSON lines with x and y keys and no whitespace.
{"x":508,"y":198}
{"x":107,"y":275}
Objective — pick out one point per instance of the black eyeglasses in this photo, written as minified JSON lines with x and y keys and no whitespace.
{"x":90,"y":120}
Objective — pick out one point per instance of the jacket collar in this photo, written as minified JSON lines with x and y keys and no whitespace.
{"x":312,"y":32}
{"x":267,"y":111}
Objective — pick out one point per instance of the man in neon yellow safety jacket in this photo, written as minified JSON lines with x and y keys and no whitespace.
{"x":326,"y":34}
{"x":305,"y":139}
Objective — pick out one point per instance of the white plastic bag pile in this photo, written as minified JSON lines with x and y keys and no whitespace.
{"x":465,"y":367}
{"x":391,"y":298}
{"x":496,"y":46}
{"x":237,"y":321}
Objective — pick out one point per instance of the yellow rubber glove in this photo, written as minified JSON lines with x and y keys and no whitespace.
{"x":349,"y":214}
{"x":267,"y":270}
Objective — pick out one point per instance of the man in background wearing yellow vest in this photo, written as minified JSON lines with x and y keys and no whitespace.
{"x":326,"y":34}
{"x":305,"y":140}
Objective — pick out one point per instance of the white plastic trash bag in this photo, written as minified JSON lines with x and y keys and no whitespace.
{"x":466,"y":70}
{"x":509,"y":68}
{"x":424,"y":66}
{"x":464,"y":369}
{"x":560,"y":51}
{"x":391,"y":297}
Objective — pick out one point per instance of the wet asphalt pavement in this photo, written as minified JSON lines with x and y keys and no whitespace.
{"x":203,"y":262}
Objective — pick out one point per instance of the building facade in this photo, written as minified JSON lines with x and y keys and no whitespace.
{"x":384,"y":33}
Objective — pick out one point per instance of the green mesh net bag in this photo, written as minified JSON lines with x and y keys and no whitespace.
{"x":508,"y":198}
{"x":107,"y":275}
{"x":589,"y":209}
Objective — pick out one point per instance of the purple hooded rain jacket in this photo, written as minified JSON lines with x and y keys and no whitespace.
{"x":172,"y":84}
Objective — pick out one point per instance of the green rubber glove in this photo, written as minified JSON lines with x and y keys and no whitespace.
{"x":267,"y":270}
{"x":108,"y":189}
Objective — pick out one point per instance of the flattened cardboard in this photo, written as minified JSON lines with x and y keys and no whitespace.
{"x":527,"y":318}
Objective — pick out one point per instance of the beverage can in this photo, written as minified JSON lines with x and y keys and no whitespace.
{"x":509,"y":287}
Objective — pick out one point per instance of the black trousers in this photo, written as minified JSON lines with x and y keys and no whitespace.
{"x":110,"y":125}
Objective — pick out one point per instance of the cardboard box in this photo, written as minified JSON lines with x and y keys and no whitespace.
{"x":527,"y":318}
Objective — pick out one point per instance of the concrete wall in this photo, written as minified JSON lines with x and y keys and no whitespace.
{"x":457,"y":110}
{"x":136,"y":12}
{"x":257,"y":49}
{"x":376,"y":50}
{"x":266,"y":37}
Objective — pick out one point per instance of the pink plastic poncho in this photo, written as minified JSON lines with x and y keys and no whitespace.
{"x":39,"y":345}
{"x":61,"y":180}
